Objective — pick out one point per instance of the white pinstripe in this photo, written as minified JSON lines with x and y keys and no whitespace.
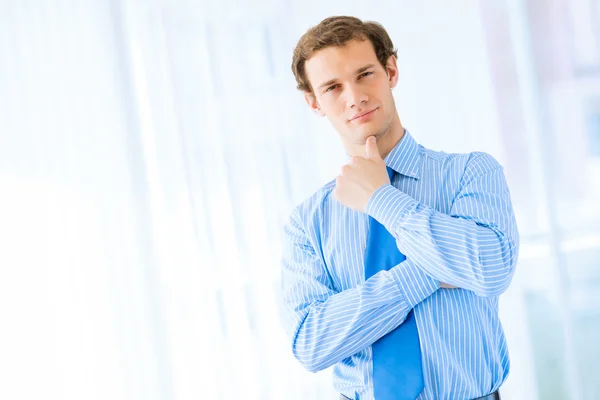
{"x":452,"y":217}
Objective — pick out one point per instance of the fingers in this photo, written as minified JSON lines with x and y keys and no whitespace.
{"x":346,"y":169}
{"x":447,"y":286}
{"x":355,"y":160}
{"x":371,"y":149}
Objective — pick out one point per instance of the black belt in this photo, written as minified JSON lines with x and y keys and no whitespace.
{"x":493,"y":396}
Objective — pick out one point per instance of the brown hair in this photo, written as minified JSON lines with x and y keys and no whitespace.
{"x":337,"y":31}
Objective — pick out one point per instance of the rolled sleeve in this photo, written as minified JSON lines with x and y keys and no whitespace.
{"x":388,"y":205}
{"x":414,"y":284}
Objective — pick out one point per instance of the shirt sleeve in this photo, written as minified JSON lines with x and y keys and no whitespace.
{"x":326,"y":326}
{"x":475,"y":246}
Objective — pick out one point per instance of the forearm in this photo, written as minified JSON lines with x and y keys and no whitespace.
{"x":453,"y":250}
{"x":339,"y":325}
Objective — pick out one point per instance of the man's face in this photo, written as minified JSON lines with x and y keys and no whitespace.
{"x":353,"y":90}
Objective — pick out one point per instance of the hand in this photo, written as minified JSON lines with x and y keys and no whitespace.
{"x":361,"y":178}
{"x":447,"y":286}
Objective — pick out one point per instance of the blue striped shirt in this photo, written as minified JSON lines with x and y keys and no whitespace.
{"x":452,"y":218}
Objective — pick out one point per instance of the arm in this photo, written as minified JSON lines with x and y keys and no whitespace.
{"x":475,"y":247}
{"x":326,"y":326}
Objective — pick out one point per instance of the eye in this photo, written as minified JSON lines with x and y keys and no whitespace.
{"x":331,"y":88}
{"x":365,"y":74}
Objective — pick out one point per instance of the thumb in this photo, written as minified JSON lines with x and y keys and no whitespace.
{"x":371,"y":149}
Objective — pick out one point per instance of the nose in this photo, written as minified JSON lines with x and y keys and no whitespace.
{"x":356,"y":96}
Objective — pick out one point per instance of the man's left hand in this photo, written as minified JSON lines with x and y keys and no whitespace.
{"x":361,"y":178}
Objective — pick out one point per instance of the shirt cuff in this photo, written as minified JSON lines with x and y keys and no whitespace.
{"x":414,"y":284}
{"x":388,"y":205}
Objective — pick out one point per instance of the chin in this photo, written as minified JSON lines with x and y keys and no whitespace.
{"x":372,"y":132}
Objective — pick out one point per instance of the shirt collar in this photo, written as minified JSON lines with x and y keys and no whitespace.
{"x":405,"y":157}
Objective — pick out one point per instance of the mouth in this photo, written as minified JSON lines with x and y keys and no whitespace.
{"x":364,"y":116}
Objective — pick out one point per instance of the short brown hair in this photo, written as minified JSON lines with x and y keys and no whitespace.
{"x":337,"y":31}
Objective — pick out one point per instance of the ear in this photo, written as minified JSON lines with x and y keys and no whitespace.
{"x":392,"y":71}
{"x":311,"y":100}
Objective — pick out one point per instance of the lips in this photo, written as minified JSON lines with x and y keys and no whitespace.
{"x":366,"y":114}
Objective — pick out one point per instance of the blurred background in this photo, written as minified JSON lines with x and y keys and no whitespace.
{"x":150,"y":152}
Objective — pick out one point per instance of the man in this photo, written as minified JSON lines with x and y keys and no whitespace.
{"x":392,"y":272}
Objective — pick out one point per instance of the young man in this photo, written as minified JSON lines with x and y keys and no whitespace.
{"x":392,"y":272}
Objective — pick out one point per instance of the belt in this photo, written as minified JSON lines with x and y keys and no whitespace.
{"x":493,"y":396}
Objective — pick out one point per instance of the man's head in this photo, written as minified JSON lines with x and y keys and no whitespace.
{"x":346,"y":69}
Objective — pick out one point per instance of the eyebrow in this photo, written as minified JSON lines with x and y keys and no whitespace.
{"x":358,"y":71}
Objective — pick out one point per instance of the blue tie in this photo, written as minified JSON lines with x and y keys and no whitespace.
{"x":397,"y":369}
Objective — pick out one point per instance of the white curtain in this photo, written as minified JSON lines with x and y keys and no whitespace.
{"x":151,"y":151}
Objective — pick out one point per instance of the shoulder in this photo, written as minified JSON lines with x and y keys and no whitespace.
{"x":465,"y":165}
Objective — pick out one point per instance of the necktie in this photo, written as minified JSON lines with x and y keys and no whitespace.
{"x":397,"y":369}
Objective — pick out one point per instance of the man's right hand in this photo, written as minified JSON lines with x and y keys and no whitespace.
{"x":448,"y":286}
